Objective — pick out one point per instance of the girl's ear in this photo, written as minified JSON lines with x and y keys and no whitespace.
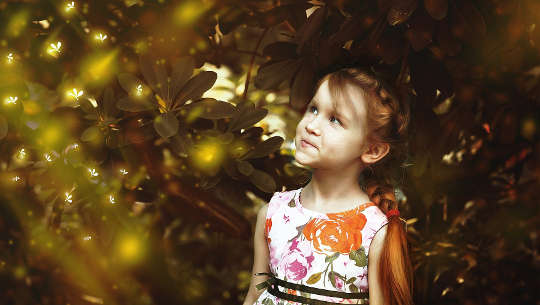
{"x":375,"y":152}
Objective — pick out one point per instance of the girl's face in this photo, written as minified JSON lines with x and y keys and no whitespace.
{"x":337,"y":137}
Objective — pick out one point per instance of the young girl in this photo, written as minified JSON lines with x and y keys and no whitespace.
{"x":317,"y":244}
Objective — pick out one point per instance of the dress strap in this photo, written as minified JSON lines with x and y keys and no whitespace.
{"x":273,"y":281}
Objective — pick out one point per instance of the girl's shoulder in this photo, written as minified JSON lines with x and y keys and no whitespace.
{"x":375,"y":217}
{"x":280,"y":199}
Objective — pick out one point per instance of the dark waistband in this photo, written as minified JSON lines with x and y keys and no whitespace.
{"x":273,"y":282}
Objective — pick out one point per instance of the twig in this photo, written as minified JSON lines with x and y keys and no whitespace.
{"x":244,"y":97}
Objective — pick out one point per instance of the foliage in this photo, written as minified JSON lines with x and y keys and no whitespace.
{"x":131,"y":167}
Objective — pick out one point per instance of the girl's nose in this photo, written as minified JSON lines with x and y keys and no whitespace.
{"x":312,"y":126}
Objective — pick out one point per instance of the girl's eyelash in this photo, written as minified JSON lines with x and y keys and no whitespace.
{"x":311,"y":107}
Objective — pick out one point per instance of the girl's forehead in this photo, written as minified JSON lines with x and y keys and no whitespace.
{"x":348,"y":100}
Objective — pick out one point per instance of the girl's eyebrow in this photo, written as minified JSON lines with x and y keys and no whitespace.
{"x":341,"y":115}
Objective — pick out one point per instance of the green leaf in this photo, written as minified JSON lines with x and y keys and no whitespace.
{"x":3,"y":127}
{"x":263,"y":181}
{"x":166,"y":124}
{"x":90,"y":134}
{"x":331,"y":258}
{"x":332,"y":278}
{"x":196,"y":87}
{"x":265,"y":148}
{"x":353,"y":288}
{"x":359,"y":257}
{"x":209,"y":108}
{"x":351,"y":280}
{"x":314,"y":278}
{"x":268,"y":301}
{"x":244,"y":167}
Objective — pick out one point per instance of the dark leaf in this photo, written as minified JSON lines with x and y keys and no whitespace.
{"x":134,"y":104}
{"x":3,"y":127}
{"x":109,"y":103}
{"x":449,"y":44}
{"x":303,"y":86}
{"x":155,"y":74}
{"x":400,"y":11}
{"x":390,"y":46}
{"x":436,"y":8}
{"x":128,"y":82}
{"x":271,"y":75}
{"x":265,"y":148}
{"x":196,"y":87}
{"x":280,"y":50}
{"x":181,"y":142}
{"x":231,"y":169}
{"x":246,"y":117}
{"x":91,"y":133}
{"x":87,"y":106}
{"x":312,"y":26}
{"x":420,"y":33}
{"x":427,"y":76}
{"x":182,"y":71}
{"x":263,"y":181}
{"x":166,"y":124}
{"x":244,"y":167}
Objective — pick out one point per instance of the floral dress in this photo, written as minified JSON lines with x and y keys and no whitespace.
{"x":328,"y":251}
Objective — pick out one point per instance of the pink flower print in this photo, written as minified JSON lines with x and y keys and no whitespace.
{"x":286,"y":218}
{"x":339,"y":282}
{"x":297,"y":261}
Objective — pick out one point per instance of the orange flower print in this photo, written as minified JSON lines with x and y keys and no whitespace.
{"x":339,"y":233}
{"x":267,"y":228}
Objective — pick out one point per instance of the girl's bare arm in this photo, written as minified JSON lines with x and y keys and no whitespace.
{"x":375,"y":289}
{"x":261,"y":258}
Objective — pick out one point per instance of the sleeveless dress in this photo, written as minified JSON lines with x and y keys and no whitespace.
{"x":328,"y":251}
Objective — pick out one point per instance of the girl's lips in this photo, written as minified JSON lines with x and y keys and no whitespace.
{"x":305,"y":143}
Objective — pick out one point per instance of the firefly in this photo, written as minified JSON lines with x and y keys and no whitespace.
{"x":54,"y":49}
{"x":101,"y":37}
{"x":93,"y":172}
{"x":139,"y":90}
{"x":70,"y":6}
{"x":74,"y":93}
{"x":16,"y":178}
{"x":48,"y":157}
{"x":11,"y":100}
{"x":123,"y":171}
{"x":111,"y":199}
{"x":22,"y":154}
{"x":68,"y":197}
{"x":10,"y":58}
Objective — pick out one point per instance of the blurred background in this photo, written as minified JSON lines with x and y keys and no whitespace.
{"x":138,"y":140}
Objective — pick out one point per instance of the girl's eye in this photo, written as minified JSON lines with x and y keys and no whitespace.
{"x":313,"y":107}
{"x":337,"y":120}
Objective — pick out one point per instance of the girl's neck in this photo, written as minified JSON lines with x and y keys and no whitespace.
{"x":332,"y":194}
